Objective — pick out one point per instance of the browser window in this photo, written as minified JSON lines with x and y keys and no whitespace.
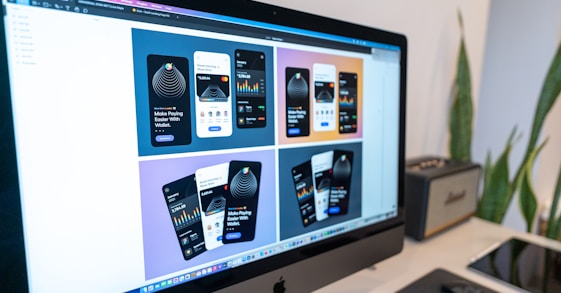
{"x":185,"y":144}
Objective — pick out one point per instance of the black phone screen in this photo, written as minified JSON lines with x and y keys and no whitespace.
{"x":348,"y":100}
{"x":297,"y":102}
{"x":250,"y":89}
{"x":241,"y":201}
{"x":340,"y":183}
{"x":169,"y":100}
{"x":304,"y":187}
{"x":183,"y":205}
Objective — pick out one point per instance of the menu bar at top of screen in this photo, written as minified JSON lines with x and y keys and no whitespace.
{"x":180,"y":17}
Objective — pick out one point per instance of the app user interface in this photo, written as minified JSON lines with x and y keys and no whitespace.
{"x":250,"y":89}
{"x":213,"y":103}
{"x":324,"y":97}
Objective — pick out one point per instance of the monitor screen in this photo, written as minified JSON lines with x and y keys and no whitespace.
{"x":196,"y":145}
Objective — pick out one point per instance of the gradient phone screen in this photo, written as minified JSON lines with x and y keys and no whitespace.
{"x":297,"y":102}
{"x":241,"y":201}
{"x":169,"y":101}
{"x":304,"y":187}
{"x":348,"y":100}
{"x":183,"y":204}
{"x":250,"y":89}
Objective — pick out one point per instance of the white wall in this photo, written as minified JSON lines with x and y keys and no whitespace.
{"x":522,"y":38}
{"x":433,"y":33}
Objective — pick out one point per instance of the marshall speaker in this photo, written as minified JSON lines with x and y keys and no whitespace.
{"x":438,"y":194}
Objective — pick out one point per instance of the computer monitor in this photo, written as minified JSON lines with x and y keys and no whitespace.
{"x":196,"y":146}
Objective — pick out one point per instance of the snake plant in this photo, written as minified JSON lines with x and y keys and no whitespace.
{"x":498,"y":189}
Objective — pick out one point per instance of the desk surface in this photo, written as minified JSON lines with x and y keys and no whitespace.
{"x":450,"y":250}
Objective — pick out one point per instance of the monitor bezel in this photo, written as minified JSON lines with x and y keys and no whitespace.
{"x":13,"y":247}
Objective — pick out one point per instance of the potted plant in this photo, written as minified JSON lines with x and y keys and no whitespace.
{"x":498,"y":189}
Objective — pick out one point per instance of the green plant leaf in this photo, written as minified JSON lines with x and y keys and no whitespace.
{"x":548,"y":95}
{"x":550,"y":91}
{"x":461,"y":113}
{"x":527,"y":199}
{"x":554,"y":225}
{"x":526,"y":195}
{"x":497,"y":191}
{"x":487,"y":171}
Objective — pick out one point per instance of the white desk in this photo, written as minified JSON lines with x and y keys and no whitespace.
{"x":450,"y":250}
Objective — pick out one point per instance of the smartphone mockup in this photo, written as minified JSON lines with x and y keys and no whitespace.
{"x":297,"y":102}
{"x":183,"y":205}
{"x":304,"y":187}
{"x":213,"y":103}
{"x":250,"y":89}
{"x":348,"y":100}
{"x":242,"y":199}
{"x":324,"y":97}
{"x":212,"y":184}
{"x":340,"y":183}
{"x":321,"y":169}
{"x":169,"y":100}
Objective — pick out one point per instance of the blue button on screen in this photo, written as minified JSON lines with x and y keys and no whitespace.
{"x":324,"y":124}
{"x":293,"y":131}
{"x":234,"y":235}
{"x":164,"y":138}
{"x":334,"y":210}
{"x":214,"y":128}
